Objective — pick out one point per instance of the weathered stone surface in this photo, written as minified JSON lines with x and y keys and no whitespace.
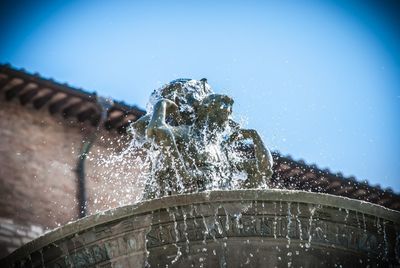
{"x":253,"y":228}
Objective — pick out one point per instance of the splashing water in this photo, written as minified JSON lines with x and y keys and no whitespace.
{"x":289,"y":222}
{"x":312,"y":211}
{"x":178,"y":248}
{"x":115,"y":172}
{"x":212,"y":157}
{"x":299,"y":223}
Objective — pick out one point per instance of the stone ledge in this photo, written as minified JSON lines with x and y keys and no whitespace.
{"x":111,"y":217}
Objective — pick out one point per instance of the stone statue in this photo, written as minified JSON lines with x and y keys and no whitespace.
{"x":199,"y":147}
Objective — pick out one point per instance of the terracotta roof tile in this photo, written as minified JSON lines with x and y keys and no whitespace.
{"x":61,"y":98}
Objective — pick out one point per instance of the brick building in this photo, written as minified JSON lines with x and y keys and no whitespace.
{"x":46,"y":128}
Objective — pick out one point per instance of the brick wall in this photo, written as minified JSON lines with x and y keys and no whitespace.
{"x":38,"y":185}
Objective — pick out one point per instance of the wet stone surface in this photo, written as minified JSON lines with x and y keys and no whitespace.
{"x":219,"y":230}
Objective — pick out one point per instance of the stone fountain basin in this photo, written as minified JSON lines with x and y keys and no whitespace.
{"x":241,"y":228}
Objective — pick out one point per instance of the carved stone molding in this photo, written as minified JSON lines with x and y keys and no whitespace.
{"x":258,"y":228}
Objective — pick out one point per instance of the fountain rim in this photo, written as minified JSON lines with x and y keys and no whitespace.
{"x":143,"y":207}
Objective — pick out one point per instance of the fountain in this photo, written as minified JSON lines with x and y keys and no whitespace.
{"x":206,"y":203}
{"x":195,"y":145}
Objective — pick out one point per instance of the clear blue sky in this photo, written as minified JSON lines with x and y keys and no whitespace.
{"x":320,"y":80}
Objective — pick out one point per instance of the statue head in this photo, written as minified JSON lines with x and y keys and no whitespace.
{"x":187,"y":94}
{"x":216,"y":109}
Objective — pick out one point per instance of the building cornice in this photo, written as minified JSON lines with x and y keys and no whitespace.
{"x":63,"y":99}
